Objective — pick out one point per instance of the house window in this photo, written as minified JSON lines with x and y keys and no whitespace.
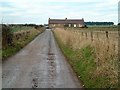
{"x":69,"y":25}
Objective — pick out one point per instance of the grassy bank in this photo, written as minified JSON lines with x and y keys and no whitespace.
{"x":20,"y":43}
{"x":95,"y":68}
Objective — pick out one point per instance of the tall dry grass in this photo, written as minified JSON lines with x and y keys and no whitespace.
{"x":106,"y":50}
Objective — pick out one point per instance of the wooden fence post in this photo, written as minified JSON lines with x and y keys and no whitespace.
{"x":86,"y":35}
{"x":91,"y":36}
{"x":119,"y":34}
{"x":114,"y":47}
{"x":82,"y":34}
{"x":107,"y":41}
{"x":106,"y":34}
{"x":97,"y":35}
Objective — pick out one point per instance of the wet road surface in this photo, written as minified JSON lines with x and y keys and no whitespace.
{"x":39,"y":65}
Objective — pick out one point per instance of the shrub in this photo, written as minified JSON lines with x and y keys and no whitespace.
{"x":7,"y":36}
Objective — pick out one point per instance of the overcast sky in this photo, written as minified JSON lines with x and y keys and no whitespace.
{"x":38,"y":11}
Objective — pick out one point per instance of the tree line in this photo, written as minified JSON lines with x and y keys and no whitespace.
{"x":99,"y":23}
{"x":24,"y":25}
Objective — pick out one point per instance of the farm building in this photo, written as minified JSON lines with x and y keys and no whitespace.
{"x":66,"y":22}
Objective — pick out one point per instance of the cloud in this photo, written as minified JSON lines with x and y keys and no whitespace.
{"x":38,"y":11}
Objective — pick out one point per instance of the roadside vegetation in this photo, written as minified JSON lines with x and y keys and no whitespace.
{"x":20,"y":28}
{"x":14,"y":38}
{"x":94,"y":60}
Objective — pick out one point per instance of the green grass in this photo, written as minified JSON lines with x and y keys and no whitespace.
{"x":9,"y":51}
{"x":82,"y":62}
{"x":19,"y":28}
{"x":97,"y":28}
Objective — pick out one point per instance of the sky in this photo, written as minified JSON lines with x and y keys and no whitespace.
{"x":39,"y":11}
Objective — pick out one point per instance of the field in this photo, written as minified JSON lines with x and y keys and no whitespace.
{"x":20,"y":28}
{"x":17,"y":38}
{"x":93,"y":54}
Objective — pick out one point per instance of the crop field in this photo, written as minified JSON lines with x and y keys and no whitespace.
{"x":93,"y":54}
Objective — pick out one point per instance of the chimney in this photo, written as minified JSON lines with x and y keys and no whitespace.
{"x":49,"y":21}
{"x":82,"y":19}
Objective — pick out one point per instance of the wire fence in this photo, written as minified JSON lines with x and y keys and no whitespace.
{"x":108,"y":37}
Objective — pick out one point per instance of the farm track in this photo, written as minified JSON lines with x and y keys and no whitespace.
{"x":39,"y":65}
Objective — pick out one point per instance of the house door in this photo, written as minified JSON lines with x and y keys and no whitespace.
{"x":74,"y":25}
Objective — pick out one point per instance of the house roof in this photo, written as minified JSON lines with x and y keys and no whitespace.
{"x":56,"y":21}
{"x":75,"y":21}
{"x":66,"y":21}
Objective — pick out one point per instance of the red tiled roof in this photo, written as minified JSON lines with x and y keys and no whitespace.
{"x":66,"y":21}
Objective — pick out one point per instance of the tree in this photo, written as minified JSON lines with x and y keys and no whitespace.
{"x":99,"y":23}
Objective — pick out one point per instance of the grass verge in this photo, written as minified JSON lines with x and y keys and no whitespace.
{"x":82,"y":61}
